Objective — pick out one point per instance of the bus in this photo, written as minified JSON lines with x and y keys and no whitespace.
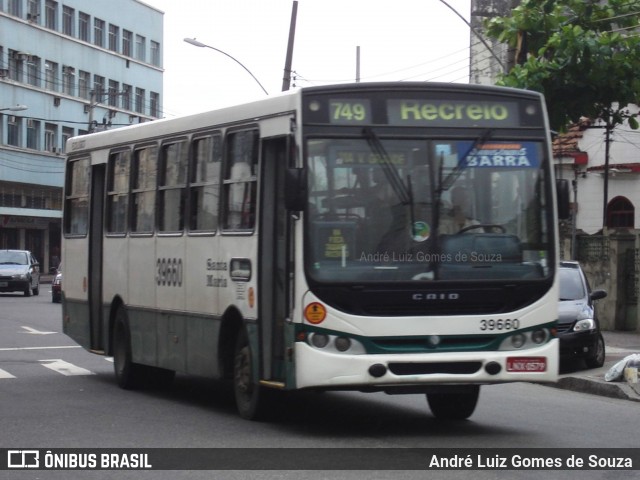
{"x":313,"y":241}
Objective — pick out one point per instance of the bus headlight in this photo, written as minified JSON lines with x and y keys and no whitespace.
{"x":518,"y":340}
{"x":336,"y":344}
{"x":319,"y":340}
{"x":528,"y":339}
{"x":538,"y":336}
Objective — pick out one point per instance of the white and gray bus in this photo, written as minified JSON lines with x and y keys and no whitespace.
{"x":318,"y":240}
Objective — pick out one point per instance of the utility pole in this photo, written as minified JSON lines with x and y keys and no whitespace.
{"x":358,"y":64}
{"x":286,"y":79}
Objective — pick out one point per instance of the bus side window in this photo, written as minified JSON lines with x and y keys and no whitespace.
{"x":205,"y":183}
{"x":144,"y":189}
{"x":173,"y":180}
{"x":118,"y":191}
{"x":240,"y":180}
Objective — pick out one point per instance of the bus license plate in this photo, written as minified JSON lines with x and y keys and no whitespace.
{"x":526,"y":364}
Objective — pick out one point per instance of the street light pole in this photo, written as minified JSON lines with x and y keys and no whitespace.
{"x":196,"y":43}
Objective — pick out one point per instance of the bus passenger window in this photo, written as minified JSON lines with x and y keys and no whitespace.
{"x":77,"y":200}
{"x":205,"y":184}
{"x":240,"y":181}
{"x":118,"y":192}
{"x":173,"y":179}
{"x":144,"y":190}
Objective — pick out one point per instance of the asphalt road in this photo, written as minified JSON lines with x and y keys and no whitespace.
{"x":54,"y":394}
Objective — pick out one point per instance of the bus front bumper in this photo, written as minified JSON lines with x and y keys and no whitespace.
{"x":328,"y":370}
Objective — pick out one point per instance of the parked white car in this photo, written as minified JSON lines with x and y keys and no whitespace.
{"x":19,"y":272}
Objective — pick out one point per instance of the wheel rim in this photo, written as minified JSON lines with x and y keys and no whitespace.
{"x":600,"y":351}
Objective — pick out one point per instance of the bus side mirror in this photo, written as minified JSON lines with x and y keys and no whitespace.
{"x":562,"y":195}
{"x":295,"y":185}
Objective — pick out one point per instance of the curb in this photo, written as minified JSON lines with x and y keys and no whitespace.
{"x":594,"y":386}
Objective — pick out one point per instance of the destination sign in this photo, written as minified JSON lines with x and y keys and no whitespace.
{"x":452,"y":113}
{"x":499,"y":155}
{"x":350,"y":111}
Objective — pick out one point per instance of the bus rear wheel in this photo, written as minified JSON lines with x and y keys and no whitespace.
{"x":251,"y":398}
{"x":128,"y":374}
{"x":458,"y":405}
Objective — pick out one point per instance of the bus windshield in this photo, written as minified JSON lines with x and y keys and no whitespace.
{"x":424,"y":210}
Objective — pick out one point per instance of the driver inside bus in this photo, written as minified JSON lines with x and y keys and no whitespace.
{"x":458,"y":217}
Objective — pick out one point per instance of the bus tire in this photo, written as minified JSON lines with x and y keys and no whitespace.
{"x":458,"y":405}
{"x":250,"y":397}
{"x":128,"y":374}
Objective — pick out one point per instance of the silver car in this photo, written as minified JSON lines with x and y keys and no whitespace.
{"x":19,"y":272}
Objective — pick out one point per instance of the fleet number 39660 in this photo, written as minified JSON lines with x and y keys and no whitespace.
{"x":500,"y":324}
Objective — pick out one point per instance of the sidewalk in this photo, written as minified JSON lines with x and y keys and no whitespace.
{"x":618,"y":345}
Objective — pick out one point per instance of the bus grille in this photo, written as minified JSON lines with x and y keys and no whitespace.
{"x":454,"y":368}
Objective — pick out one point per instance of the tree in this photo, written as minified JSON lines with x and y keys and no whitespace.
{"x":583,"y":55}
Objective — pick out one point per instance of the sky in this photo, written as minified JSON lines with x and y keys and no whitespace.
{"x":407,"y":40}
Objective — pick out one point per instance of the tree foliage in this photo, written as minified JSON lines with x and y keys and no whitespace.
{"x":583,"y":55}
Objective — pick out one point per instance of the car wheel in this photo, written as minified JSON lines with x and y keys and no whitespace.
{"x":597,"y":359}
{"x":36,"y":291}
{"x":27,"y":291}
{"x":454,"y":406}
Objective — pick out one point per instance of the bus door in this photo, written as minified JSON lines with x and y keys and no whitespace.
{"x":96,"y":232}
{"x":273,"y":255}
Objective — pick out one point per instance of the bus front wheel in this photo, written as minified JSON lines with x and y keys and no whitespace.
{"x":458,"y":405}
{"x":251,"y":398}
{"x":128,"y":374}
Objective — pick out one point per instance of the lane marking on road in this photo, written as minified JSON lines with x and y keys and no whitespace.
{"x":5,"y":374}
{"x":15,"y":349}
{"x":65,"y":368}
{"x":33,"y":331}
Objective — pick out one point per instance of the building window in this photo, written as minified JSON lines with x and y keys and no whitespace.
{"x":83,"y":26}
{"x":98,"y":32}
{"x":155,"y":53}
{"x":33,"y":70}
{"x":240,"y":181}
{"x":154,"y":99}
{"x":68,"y":17}
{"x":113,"y":93}
{"x":205,"y":184}
{"x":98,"y":88}
{"x":141,"y":45}
{"x":14,"y":125}
{"x":114,"y":33}
{"x":16,"y":65}
{"x":33,"y":134}
{"x":68,"y":79}
{"x":34,"y":10}
{"x":173,"y":182}
{"x":50,"y":137}
{"x":15,"y":8}
{"x":51,"y":76}
{"x":67,"y":133}
{"x":84,"y":82}
{"x":140,"y":93}
{"x":127,"y":39}
{"x":126,"y":96}
{"x":620,"y":213}
{"x":118,"y":191}
{"x":51,"y":14}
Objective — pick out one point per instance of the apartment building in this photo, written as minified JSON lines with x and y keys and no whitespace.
{"x":67,"y":67}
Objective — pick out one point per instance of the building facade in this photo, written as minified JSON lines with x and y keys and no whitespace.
{"x":67,"y":68}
